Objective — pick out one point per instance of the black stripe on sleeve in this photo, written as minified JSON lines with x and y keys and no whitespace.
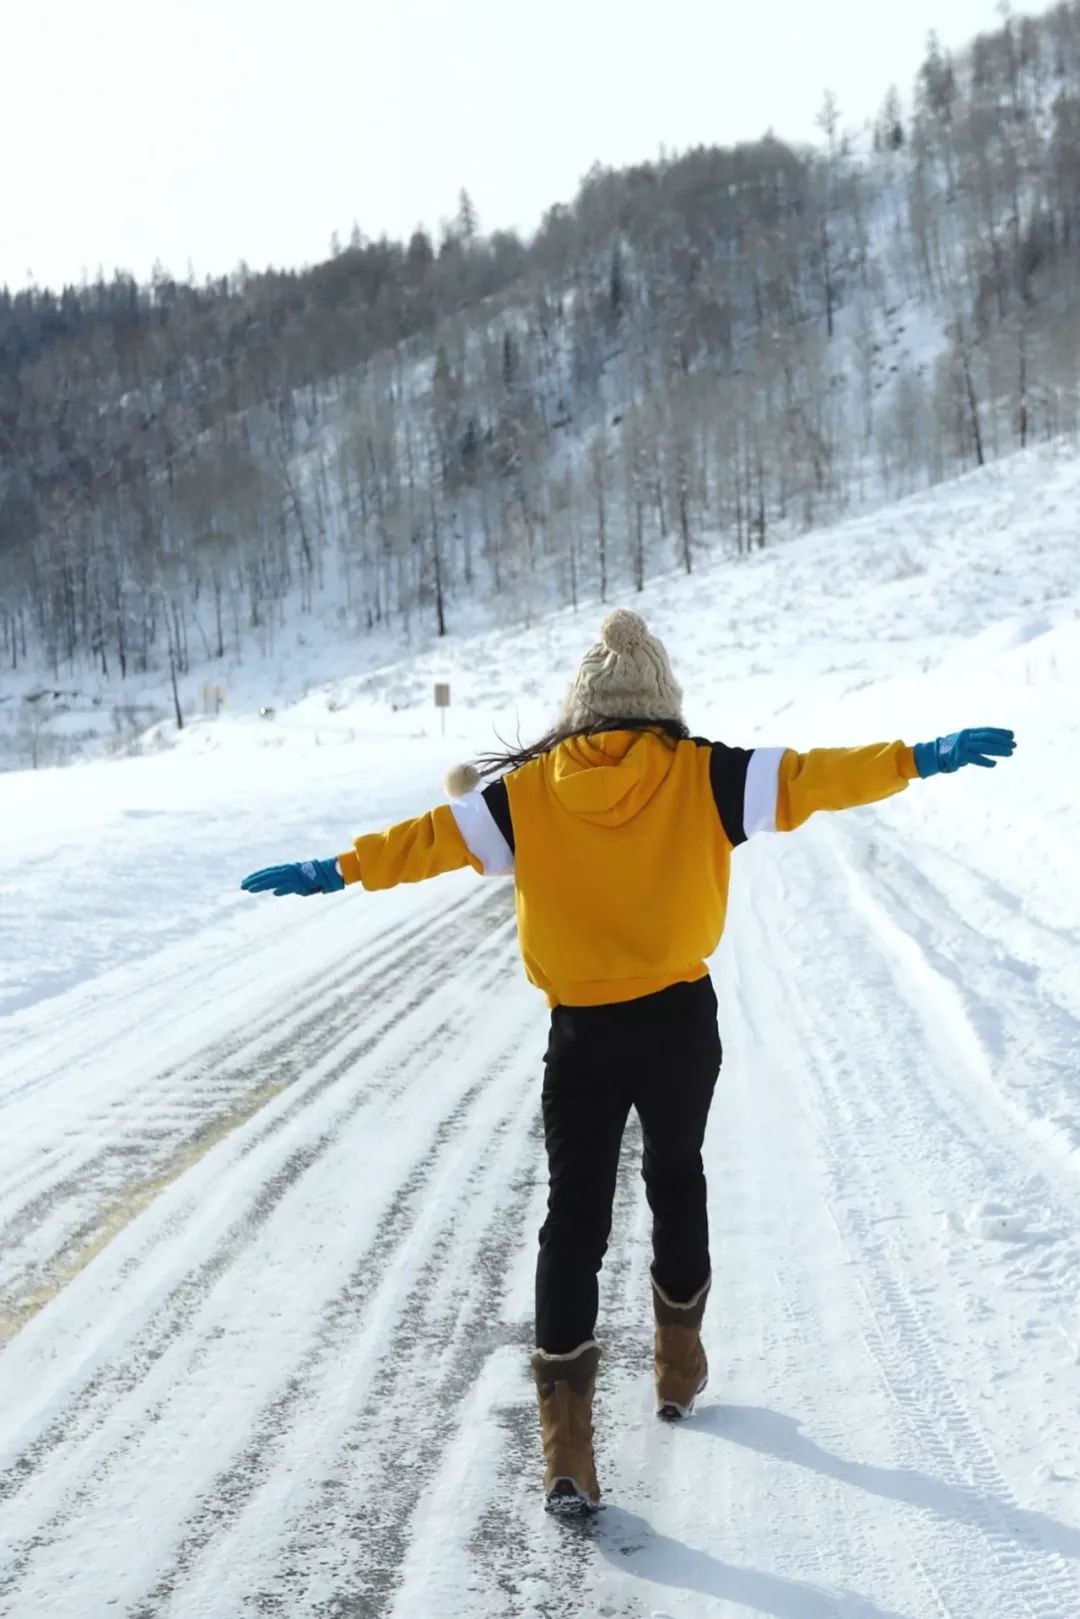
{"x":727,"y":777}
{"x":497,"y":800}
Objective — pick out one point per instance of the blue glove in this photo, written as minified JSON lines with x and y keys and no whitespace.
{"x":948,"y":753}
{"x":308,"y":877}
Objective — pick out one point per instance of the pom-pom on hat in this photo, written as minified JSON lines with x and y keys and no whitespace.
{"x":625,"y":676}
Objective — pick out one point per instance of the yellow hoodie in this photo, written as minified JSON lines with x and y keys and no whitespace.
{"x":620,"y":847}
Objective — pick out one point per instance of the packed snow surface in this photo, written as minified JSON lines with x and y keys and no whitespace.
{"x":271,"y":1171}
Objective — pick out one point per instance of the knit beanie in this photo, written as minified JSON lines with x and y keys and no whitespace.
{"x":625,"y":676}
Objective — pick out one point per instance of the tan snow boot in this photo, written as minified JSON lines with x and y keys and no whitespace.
{"x":564,"y":1393}
{"x":681,"y":1367}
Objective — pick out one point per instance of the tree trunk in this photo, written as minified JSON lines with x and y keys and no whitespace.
{"x":601,"y":533}
{"x":826,"y":266}
{"x":973,"y":406}
{"x":760,"y":518}
{"x":440,"y":606}
{"x":175,"y":692}
{"x":1022,"y":411}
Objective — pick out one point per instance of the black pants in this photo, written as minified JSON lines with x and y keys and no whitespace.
{"x":660,"y":1055}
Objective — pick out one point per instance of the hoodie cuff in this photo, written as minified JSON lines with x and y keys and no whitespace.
{"x":905,"y":760}
{"x":349,"y":866}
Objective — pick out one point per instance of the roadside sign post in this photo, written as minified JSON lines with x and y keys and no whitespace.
{"x":442,"y":702}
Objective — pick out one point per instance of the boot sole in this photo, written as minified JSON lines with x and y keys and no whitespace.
{"x":672,"y":1411}
{"x":565,"y":1500}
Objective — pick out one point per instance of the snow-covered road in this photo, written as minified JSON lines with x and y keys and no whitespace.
{"x":268,"y":1300}
{"x":271,"y":1172}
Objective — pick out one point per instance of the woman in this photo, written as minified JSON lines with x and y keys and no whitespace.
{"x":618,"y":828}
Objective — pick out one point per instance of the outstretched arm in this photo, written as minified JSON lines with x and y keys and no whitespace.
{"x":784,"y":788}
{"x":409,"y":852}
{"x":465,"y":833}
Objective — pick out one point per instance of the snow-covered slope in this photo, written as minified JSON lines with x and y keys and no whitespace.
{"x":270,"y":1173}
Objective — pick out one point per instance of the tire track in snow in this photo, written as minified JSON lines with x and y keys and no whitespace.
{"x":110,"y":1383}
{"x":377,"y":1536}
{"x":163,"y":1155}
{"x":1024,"y":1545}
{"x":420,"y":1370}
{"x":189,"y":978}
{"x":1015,"y":1023}
{"x":833,"y":1435}
{"x":791,"y":1219}
{"x":315,"y":992}
{"x":195,"y":1088}
{"x":236,"y":1484}
{"x":861,"y":1114}
{"x":207,"y":1091}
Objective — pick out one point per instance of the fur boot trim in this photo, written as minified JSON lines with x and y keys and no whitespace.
{"x":690,"y":1304}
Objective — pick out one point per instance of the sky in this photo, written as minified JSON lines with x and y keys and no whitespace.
{"x":223,"y":132}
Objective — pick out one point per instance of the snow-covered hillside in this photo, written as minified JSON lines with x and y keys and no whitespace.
{"x":270,"y":1173}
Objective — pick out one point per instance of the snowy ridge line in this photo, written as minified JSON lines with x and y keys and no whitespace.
{"x":393,"y":1360}
{"x":414,"y":1027}
{"x":856,"y":1123}
{"x":165,"y":1149}
{"x":100,"y":1464}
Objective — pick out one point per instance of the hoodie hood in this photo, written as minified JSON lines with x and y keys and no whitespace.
{"x":609,"y":778}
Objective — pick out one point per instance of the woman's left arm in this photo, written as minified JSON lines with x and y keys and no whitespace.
{"x":784,"y":788}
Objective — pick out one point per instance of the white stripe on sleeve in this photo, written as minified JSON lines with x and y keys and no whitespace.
{"x":481,"y":832}
{"x":762,"y":785}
